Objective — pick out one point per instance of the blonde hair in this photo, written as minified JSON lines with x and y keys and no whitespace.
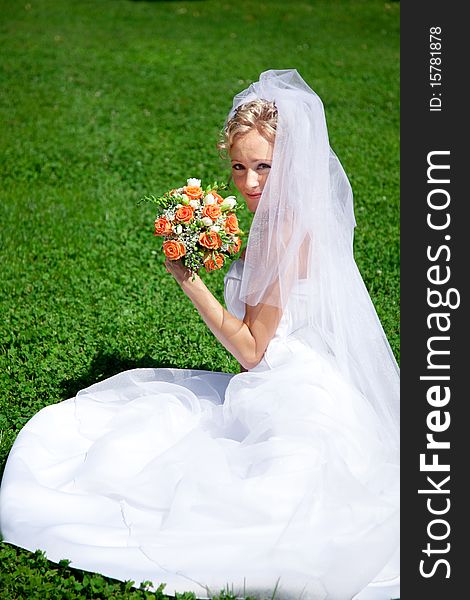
{"x":257,"y":114}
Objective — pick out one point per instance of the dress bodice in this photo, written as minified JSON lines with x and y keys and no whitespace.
{"x":232,"y":281}
{"x":293,"y":333}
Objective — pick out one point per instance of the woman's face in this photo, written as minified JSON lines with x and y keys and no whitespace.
{"x":251,"y":156}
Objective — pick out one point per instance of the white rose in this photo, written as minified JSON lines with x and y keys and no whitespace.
{"x":207,"y":221}
{"x":196,"y":182}
{"x":185,"y":198}
{"x":209,"y":199}
{"x":215,"y":228}
{"x":179,"y":205}
{"x":193,"y":203}
{"x":228,"y":203}
{"x":178,"y":229}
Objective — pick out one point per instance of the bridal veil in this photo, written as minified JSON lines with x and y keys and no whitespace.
{"x":303,"y":230}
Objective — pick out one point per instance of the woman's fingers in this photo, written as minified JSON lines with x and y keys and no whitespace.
{"x":167,"y":265}
{"x":175,"y":267}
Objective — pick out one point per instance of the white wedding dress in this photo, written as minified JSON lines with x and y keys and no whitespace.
{"x":272,"y":480}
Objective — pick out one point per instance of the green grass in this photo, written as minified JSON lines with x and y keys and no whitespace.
{"x":104,"y":101}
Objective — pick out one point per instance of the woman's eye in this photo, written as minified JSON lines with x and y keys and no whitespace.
{"x":237,"y":167}
{"x":264,"y":166}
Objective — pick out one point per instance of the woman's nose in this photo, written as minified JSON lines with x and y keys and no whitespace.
{"x":252,"y":179}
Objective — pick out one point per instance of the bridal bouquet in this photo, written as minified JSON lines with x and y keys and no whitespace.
{"x":199,"y":226}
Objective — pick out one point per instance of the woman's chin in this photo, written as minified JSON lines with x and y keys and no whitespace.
{"x":252,"y":203}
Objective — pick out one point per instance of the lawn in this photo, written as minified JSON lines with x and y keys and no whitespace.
{"x":104,"y":101}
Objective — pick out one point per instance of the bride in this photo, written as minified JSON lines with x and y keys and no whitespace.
{"x":281,"y":480}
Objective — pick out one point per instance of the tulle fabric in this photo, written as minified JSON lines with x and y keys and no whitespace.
{"x":273,"y":480}
{"x":302,"y":231}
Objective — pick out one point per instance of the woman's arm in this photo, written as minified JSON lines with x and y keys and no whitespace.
{"x":246,"y":340}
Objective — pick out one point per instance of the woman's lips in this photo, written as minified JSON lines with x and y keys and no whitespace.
{"x":254,"y":195}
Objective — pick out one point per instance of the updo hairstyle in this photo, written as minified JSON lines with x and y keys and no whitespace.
{"x":257,"y":114}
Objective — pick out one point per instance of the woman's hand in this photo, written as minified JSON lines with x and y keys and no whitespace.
{"x":178,"y":270}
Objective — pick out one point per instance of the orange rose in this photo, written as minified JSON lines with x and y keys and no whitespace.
{"x":217,"y":196}
{"x":234,"y":248}
{"x":174,"y":249}
{"x":211,"y":210}
{"x":193,"y":192}
{"x":162,"y":226}
{"x":212,"y":264}
{"x":231,"y":223}
{"x":184,"y":214}
{"x":210,"y":239}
